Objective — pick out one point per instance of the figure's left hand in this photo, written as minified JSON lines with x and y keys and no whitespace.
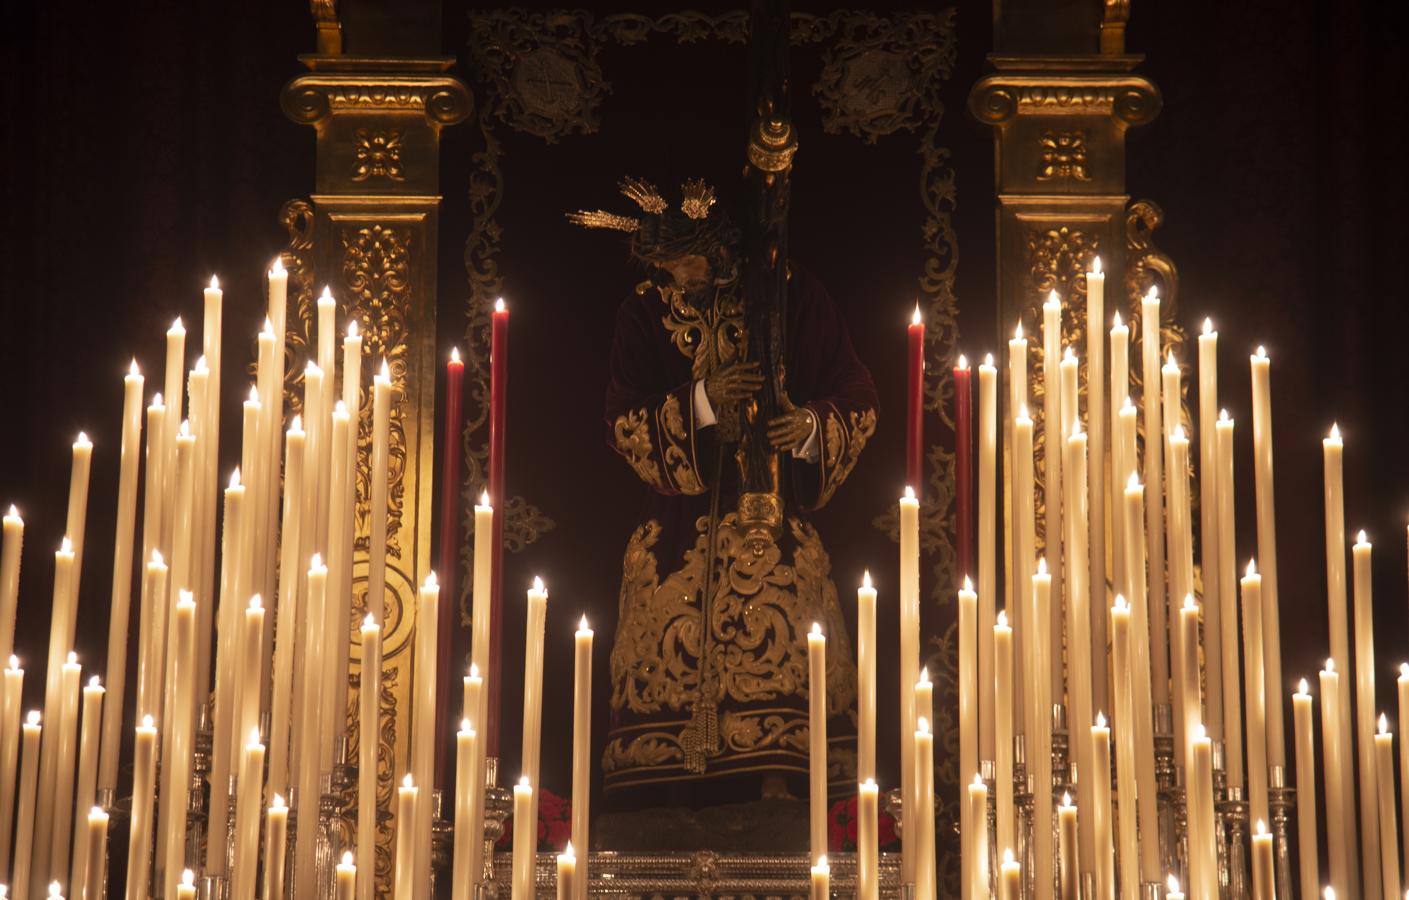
{"x":789,"y":430}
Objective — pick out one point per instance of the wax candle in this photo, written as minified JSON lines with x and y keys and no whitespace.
{"x":1172,"y":891}
{"x":1340,"y":853}
{"x":77,"y":521}
{"x":481,"y":584}
{"x":1024,"y":552}
{"x":533,"y":688}
{"x":1124,"y":461}
{"x":1267,"y":553}
{"x":171,"y":391}
{"x":498,"y":408}
{"x":250,"y":663}
{"x":474,"y":704}
{"x":1079,"y":651}
{"x":963,"y":465}
{"x":924,"y":812}
{"x":95,"y":842}
{"x":290,"y":618}
{"x":1003,"y":729}
{"x":977,"y":859}
{"x":1154,"y":492}
{"x":924,"y":696}
{"x":915,"y":402}
{"x":865,"y":679}
{"x":1365,"y":718}
{"x":247,"y":809}
{"x":821,"y":879}
{"x":1332,"y":459}
{"x":24,"y":819}
{"x":1403,"y":685}
{"x":9,"y":758}
{"x":909,"y":665}
{"x":525,"y":842}
{"x":567,"y":873}
{"x":61,"y":827}
{"x":369,"y":696}
{"x":817,"y":738}
{"x":868,"y":841}
{"x":1039,"y":734}
{"x":277,"y":315}
{"x":405,"y":877}
{"x":185,"y":890}
{"x":177,"y":775}
{"x":462,"y":876}
{"x":582,"y":748}
{"x":89,"y":741}
{"x":226,"y":705}
{"x":1254,"y":682}
{"x":327,"y":362}
{"x":1067,"y":877}
{"x":1389,"y":826}
{"x":121,"y":598}
{"x":1100,"y":779}
{"x":452,"y":437}
{"x":59,"y":642}
{"x":380,"y":476}
{"x":1120,"y":465}
{"x":1226,"y":576}
{"x":10,"y":544}
{"x":1010,"y":878}
{"x":423,"y":721}
{"x":1214,"y":602}
{"x":1181,"y":572}
{"x":1306,"y":819}
{"x":276,"y":828}
{"x":1095,"y":523}
{"x":987,"y":543}
{"x":268,"y":375}
{"x":1017,"y":400}
{"x":212,"y":332}
{"x":346,"y":877}
{"x":338,"y":615}
{"x":1189,"y":671}
{"x":311,"y":737}
{"x":315,"y":384}
{"x":1204,"y":840}
{"x":139,"y":846}
{"x":1122,"y":667}
{"x":1263,"y":886}
{"x":968,"y":720}
{"x":1142,"y":696}
{"x":1054,"y":438}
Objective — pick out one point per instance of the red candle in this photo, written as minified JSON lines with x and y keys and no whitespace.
{"x":915,"y":407}
{"x":963,"y":465}
{"x":449,"y":541}
{"x":498,"y":396}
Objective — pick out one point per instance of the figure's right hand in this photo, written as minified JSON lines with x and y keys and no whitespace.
{"x":732,"y":383}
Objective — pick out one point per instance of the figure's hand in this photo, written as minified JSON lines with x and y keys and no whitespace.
{"x":789,"y":430}
{"x":732,"y":383}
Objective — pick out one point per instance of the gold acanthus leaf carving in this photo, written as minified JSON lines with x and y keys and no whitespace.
{"x":1063,"y":155}
{"x":377,"y":153}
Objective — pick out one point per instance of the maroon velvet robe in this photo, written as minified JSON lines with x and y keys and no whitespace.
{"x":755,"y":685}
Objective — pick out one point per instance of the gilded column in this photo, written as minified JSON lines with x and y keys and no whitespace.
{"x":369,"y":231}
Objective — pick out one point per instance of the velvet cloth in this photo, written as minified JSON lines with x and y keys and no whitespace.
{"x":728,"y":704}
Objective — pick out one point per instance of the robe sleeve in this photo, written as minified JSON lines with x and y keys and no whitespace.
{"x":652,"y":425}
{"x":841,"y":394}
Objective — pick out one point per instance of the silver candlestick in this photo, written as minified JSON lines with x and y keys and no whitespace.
{"x":1170,"y":794}
{"x":1233,"y":813}
{"x":1281,"y":799}
{"x":988,"y":770}
{"x":498,"y":805}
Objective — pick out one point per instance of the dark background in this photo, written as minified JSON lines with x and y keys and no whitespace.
{"x":144,"y":149}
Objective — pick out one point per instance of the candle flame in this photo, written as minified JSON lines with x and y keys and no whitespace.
{"x":1301,"y":687}
{"x":1330,"y":893}
{"x":1041,"y":565}
{"x":1252,"y":568}
{"x":567,"y":851}
{"x":95,"y":682}
{"x":869,"y":784}
{"x":1261,"y":352}
{"x":340,"y":408}
{"x":1330,"y":664}
{"x":484,"y":498}
{"x":316,"y":562}
{"x":523,"y":781}
{"x":1200,"y":732}
{"x":1018,"y":332}
{"x":188,"y":878}
{"x":922,"y":725}
{"x":1095,"y":265}
{"x":1403,"y":668}
{"x":1116,"y":323}
{"x":82,"y":440}
{"x":157,"y":559}
{"x":278,"y":267}
{"x":185,"y":597}
{"x":474,"y":670}
{"x":963,"y":362}
{"x":176,"y":328}
{"x":347,"y":858}
{"x":978,"y":780}
{"x":1335,"y":431}
{"x":407,"y":782}
{"x":1152,"y":295}
{"x":1076,"y":431}
{"x":33,"y":717}
{"x":268,"y":327}
{"x":1169,"y":362}
{"x":1208,"y":326}
{"x":296,"y":425}
{"x":132,"y":368}
{"x":1121,"y":603}
{"x":1053,"y":299}
{"x":431,"y":582}
{"x":817,"y":628}
{"x":1261,"y":828}
{"x":1128,"y":404}
{"x":385,"y":373}
{"x":326,"y":295}
{"x":254,"y":395}
{"x":538,"y":584}
{"x":185,"y":429}
{"x":1007,"y":857}
{"x":369,"y":622}
{"x":14,"y":662}
{"x":968,"y":585}
{"x":352,"y":329}
{"x":1100,"y":720}
{"x":235,"y":478}
{"x":254,"y":737}
{"x":214,"y":283}
{"x":278,"y":803}
{"x":256,"y":602}
{"x":1066,"y":798}
{"x":909,"y":492}
{"x":454,"y":354}
{"x":915,"y":317}
{"x":1173,"y":884}
{"x":499,"y":305}
{"x":1223,"y":416}
{"x":148,"y":721}
{"x":66,"y":545}
{"x":1002,"y":621}
{"x":13,"y":513}
{"x":1189,"y":602}
{"x":582,"y":624}
{"x":72,"y":659}
{"x":924,"y":677}
{"x":988,"y":360}
{"x":1022,"y":414}
{"x":866,"y":579}
{"x":1384,"y":724}
{"x":1360,"y":537}
{"x":312,"y":369}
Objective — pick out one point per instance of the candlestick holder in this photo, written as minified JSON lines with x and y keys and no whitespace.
{"x":1151,"y":890}
{"x":988,"y":770}
{"x":1281,"y":799}
{"x":1233,"y":814}
{"x":1061,"y":752}
{"x":1170,"y":798}
{"x":442,"y":837}
{"x":498,"y":805}
{"x":1220,"y":833}
{"x":1024,"y":802}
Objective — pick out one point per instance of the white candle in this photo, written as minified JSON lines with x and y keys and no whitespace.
{"x":95,"y":844}
{"x":1214,"y":602}
{"x":59,"y":642}
{"x":24,"y":819}
{"x":327,"y":362}
{"x":868,"y":841}
{"x":1403,"y":685}
{"x":1024,"y":552}
{"x":1120,"y":465}
{"x":268,"y":381}
{"x":290,"y":616}
{"x":1389,"y":827}
{"x":1263,"y":880}
{"x":368,"y":737}
{"x":61,"y":833}
{"x":1122,"y":668}
{"x":225,"y":701}
{"x":177,"y":774}
{"x":1365,"y":718}
{"x":1332,"y":459}
{"x":462,"y":876}
{"x":1254,"y":681}
{"x":1306,"y":819}
{"x":1017,"y":400}
{"x":1227,"y":576}
{"x":978,"y":855}
{"x":1101,"y":810}
{"x":1039,"y":735}
{"x":276,"y":828}
{"x":1080,"y":652}
{"x":1203,"y":864}
{"x":1066,"y":840}
{"x":866,"y":678}
{"x":1188,"y":625}
{"x":1267,"y":553}
{"x":139,"y":846}
{"x":821,"y":880}
{"x":336,"y":643}
{"x":185,"y":890}
{"x":968,"y":720}
{"x":474,"y":704}
{"x":1054,"y":439}
{"x":423,"y":722}
{"x":525,"y":842}
{"x":1154,"y":492}
{"x":1181,"y":578}
{"x":582,"y":749}
{"x":9,"y":758}
{"x":533,"y":688}
{"x":90,"y":739}
{"x":1141,"y":675}
{"x":481,"y":582}
{"x":247,"y":809}
{"x":1095,"y":523}
{"x":1003,"y":729}
{"x":377,"y":502}
{"x":10,"y":544}
{"x":924,"y":812}
{"x":174,"y":396}
{"x":909,"y":666}
{"x":567,"y":874}
{"x":1010,"y":878}
{"x":987,"y":552}
{"x":1340,"y":853}
{"x":405,"y":878}
{"x":346,"y":877}
{"x":251,"y":664}
{"x":817,"y":738}
{"x":306,"y":826}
